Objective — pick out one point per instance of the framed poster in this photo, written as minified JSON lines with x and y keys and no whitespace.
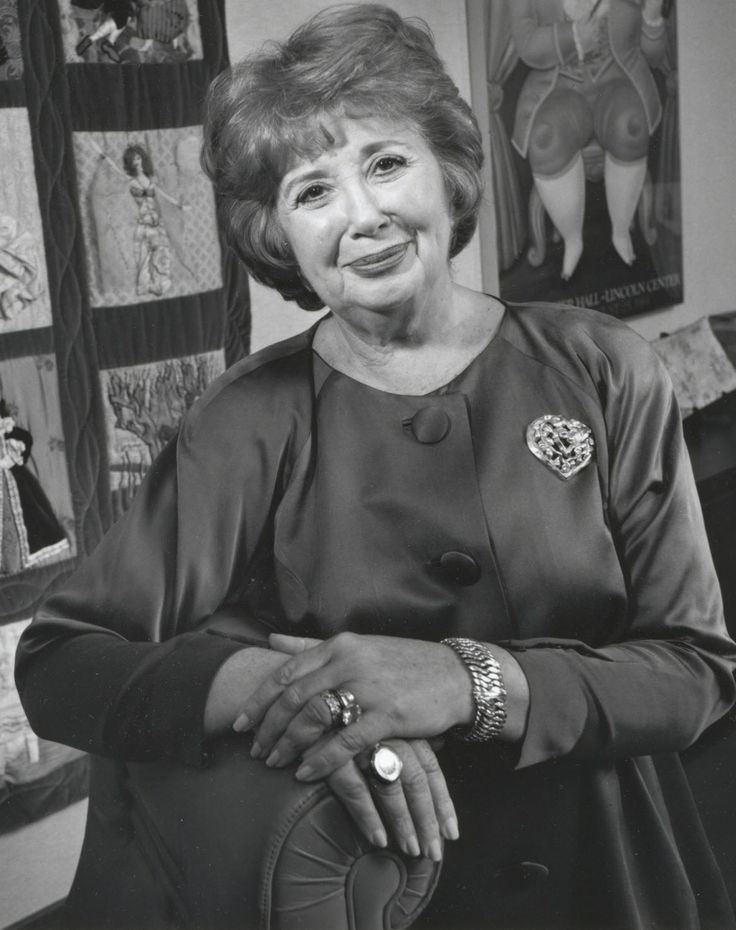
{"x":582,"y":123}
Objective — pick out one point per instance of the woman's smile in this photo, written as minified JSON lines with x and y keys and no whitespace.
{"x":381,"y":261}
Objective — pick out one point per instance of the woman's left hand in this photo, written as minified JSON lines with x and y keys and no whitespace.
{"x":405,"y":687}
{"x":415,"y":811}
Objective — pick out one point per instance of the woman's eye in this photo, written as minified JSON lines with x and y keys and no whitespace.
{"x":311,"y":193}
{"x":387,"y":163}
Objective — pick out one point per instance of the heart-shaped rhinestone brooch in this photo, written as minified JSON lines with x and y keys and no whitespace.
{"x":564,"y":445}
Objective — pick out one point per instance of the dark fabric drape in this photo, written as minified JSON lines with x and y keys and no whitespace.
{"x":502,"y":59}
{"x":119,"y":301}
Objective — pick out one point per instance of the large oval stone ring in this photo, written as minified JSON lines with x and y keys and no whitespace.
{"x":334,"y":706}
{"x":350,"y":709}
{"x":385,"y":764}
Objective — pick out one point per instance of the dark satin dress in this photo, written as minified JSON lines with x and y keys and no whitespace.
{"x":327,"y":505}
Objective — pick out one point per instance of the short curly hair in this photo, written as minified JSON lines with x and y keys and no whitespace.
{"x":356,"y":60}
{"x":129,"y":154}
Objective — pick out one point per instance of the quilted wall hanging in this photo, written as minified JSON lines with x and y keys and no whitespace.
{"x":118,"y":301}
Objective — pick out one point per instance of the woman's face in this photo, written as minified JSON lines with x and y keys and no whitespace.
{"x":368,"y":219}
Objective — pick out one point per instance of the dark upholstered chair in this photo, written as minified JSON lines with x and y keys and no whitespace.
{"x":233,"y":846}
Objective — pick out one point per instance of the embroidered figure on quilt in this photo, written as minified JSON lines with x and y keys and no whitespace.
{"x":145,"y":405}
{"x":116,"y":15}
{"x":131,"y":31}
{"x":19,"y":269}
{"x":153,"y":254}
{"x":11,"y":61}
{"x":158,"y":225}
{"x":30,"y":533}
{"x":18,"y":743}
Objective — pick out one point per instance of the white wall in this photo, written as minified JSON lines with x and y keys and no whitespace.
{"x":707,"y":82}
{"x":38,"y":863}
{"x":707,"y":40}
{"x":249,"y":24}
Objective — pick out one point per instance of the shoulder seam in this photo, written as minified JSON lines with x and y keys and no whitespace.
{"x":546,"y":364}
{"x":249,"y":365}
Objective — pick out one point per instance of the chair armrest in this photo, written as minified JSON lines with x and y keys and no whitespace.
{"x":241,"y":845}
{"x":234,"y":845}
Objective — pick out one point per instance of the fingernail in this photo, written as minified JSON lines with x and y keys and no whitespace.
{"x":379,"y":838}
{"x":304,"y":773}
{"x":435,"y":851}
{"x":255,"y":750}
{"x":273,"y":759}
{"x":241,"y":723}
{"x":451,"y":830}
{"x":412,"y":846}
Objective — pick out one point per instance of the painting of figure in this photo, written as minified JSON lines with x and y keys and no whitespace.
{"x":585,"y":93}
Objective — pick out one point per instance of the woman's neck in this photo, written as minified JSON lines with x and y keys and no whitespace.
{"x":411,"y":353}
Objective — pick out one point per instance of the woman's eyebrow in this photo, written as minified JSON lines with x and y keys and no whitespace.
{"x":372,"y":147}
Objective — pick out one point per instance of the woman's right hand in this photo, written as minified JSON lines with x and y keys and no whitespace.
{"x":416,"y":811}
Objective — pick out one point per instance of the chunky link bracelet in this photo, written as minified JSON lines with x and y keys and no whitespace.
{"x":489,"y":693}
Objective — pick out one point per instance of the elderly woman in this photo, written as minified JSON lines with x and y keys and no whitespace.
{"x":463,"y":520}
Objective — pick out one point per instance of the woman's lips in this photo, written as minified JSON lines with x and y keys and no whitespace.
{"x":377,"y":262}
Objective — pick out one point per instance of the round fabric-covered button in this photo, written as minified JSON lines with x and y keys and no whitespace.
{"x":430,"y":424}
{"x":459,"y":567}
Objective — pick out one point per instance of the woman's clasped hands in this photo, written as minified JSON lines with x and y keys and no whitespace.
{"x":409,"y":691}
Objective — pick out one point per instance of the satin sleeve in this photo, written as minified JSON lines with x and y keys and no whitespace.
{"x":670,"y":673}
{"x":113,"y":663}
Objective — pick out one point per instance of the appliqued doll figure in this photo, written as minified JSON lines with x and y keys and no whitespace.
{"x":138,"y":30}
{"x":141,"y":204}
{"x":116,"y":14}
{"x":590,"y":80}
{"x":153,"y":249}
{"x":30,"y":532}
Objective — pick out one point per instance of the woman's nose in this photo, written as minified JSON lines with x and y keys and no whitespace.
{"x":365,"y":214}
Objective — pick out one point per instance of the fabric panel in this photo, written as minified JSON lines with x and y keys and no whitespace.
{"x":152,"y":32}
{"x":24,"y":290}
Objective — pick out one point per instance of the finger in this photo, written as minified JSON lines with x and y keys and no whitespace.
{"x":287,"y":708}
{"x":393,"y":804}
{"x":339,"y":747}
{"x":443,"y":804}
{"x":292,"y":645}
{"x":418,"y":800}
{"x":274,"y":685}
{"x":291,"y":703}
{"x":351,"y":788}
{"x":304,"y":730}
